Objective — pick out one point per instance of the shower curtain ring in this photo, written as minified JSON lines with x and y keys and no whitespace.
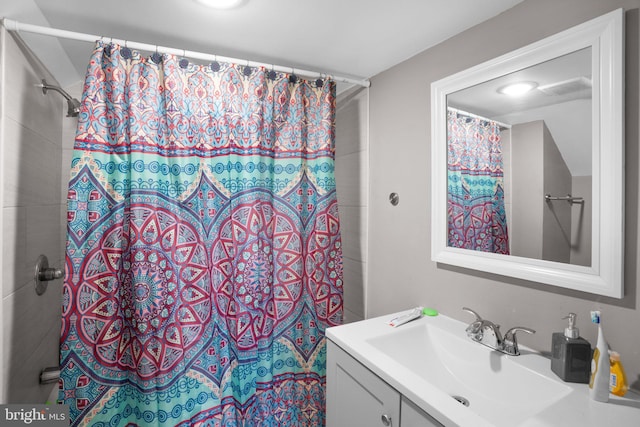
{"x":184,"y":62}
{"x":156,"y":57}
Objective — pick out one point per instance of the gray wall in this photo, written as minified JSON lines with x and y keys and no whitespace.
{"x":566,"y":228}
{"x":527,"y":157}
{"x":534,"y":151}
{"x":31,"y":223}
{"x":581,"y":215}
{"x":556,"y":223}
{"x":401,"y":273}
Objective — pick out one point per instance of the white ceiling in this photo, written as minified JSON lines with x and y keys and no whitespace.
{"x":354,"y":38}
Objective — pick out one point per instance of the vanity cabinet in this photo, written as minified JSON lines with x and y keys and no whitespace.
{"x":356,"y":397}
{"x":412,"y":416}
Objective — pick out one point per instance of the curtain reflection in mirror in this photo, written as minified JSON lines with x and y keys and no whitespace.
{"x":476,"y":214}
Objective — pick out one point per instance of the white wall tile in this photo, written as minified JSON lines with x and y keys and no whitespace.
{"x":24,"y":378}
{"x":353,"y":227}
{"x":63,"y":234}
{"x":67,"y":156}
{"x":352,"y":122}
{"x":29,"y":321}
{"x":24,"y":101}
{"x":352,"y":184}
{"x":69,"y":124}
{"x":15,"y":272}
{"x":31,"y":167}
{"x":43,"y":233}
{"x":354,"y":273}
{"x":31,"y":218}
{"x":352,"y":169}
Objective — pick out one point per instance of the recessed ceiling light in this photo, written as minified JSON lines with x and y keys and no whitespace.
{"x":517,"y":89}
{"x":221,"y":4}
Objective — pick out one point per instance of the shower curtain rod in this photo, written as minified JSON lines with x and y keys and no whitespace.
{"x":16,"y":26}
{"x":475,"y":116}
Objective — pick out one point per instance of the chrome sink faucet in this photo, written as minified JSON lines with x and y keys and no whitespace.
{"x":488,"y":333}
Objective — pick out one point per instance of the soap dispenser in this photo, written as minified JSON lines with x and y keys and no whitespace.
{"x":571,"y":354}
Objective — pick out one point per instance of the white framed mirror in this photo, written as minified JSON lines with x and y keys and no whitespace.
{"x":532,"y":186}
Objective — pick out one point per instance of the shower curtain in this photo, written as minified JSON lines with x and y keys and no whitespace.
{"x":203,"y":258}
{"x":475,"y":195}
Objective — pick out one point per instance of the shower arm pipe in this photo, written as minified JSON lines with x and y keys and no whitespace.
{"x":17,"y":27}
{"x":46,"y":87}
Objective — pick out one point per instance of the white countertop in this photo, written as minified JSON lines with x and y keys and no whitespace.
{"x":573,"y":409}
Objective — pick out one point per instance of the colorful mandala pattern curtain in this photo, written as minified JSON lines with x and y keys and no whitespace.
{"x":475,"y":198}
{"x":203,"y":255}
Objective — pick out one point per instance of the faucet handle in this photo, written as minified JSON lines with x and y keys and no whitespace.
{"x":474,"y":330}
{"x":512,"y":331}
{"x":511,"y":343}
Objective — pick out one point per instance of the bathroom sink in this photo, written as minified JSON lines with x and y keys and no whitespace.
{"x":503,"y":390}
{"x":432,"y":363}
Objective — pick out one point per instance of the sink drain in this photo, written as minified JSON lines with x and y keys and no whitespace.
{"x":462,"y":400}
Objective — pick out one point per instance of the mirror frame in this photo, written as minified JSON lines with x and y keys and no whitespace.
{"x":605,"y":275}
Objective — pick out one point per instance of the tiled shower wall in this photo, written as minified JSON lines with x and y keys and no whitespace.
{"x":352,"y":186}
{"x":68,"y":138}
{"x":31,"y":153}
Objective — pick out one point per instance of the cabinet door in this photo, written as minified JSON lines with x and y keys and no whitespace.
{"x":413,"y":416}
{"x":356,"y":397}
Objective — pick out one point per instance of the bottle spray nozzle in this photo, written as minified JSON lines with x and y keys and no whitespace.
{"x":571,"y":331}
